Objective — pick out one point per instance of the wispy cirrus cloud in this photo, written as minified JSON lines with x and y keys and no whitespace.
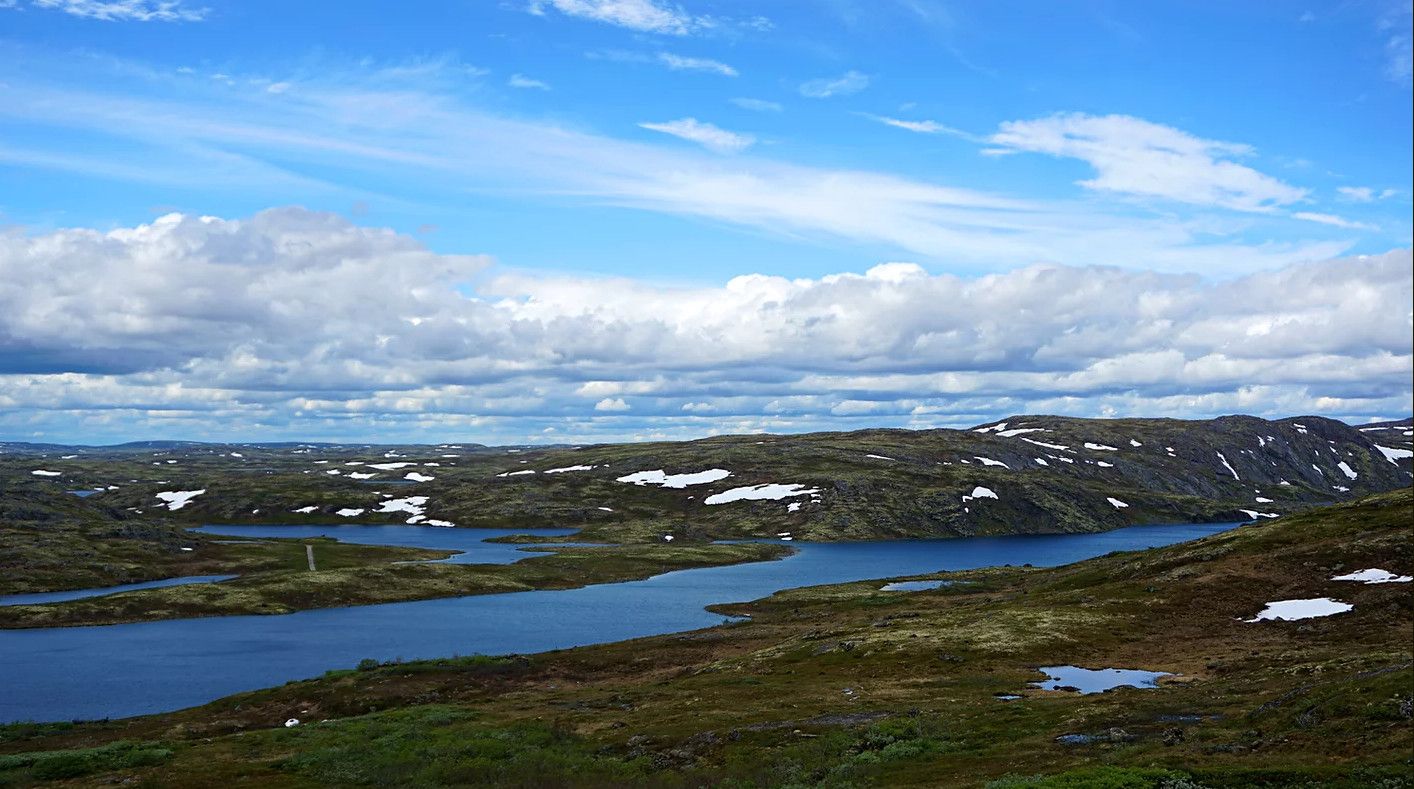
{"x":683,"y":63}
{"x":1133,"y":156}
{"x":1332,"y":220}
{"x":757,"y":105}
{"x":923,"y":127}
{"x":648,"y":16}
{"x":526,"y":83}
{"x":846,"y":84}
{"x":121,"y":10}
{"x":705,"y":134}
{"x":394,"y":128}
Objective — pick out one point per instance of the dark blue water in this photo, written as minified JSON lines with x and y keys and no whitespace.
{"x":120,"y":670}
{"x":471,"y":542}
{"x":77,"y":594}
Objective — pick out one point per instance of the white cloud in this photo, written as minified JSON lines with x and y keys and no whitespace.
{"x":682,"y":63}
{"x":1399,"y":49}
{"x":524,"y":82}
{"x":757,"y":105}
{"x":921,"y":127}
{"x":1332,"y":220}
{"x":1133,"y":156}
{"x":644,"y":15}
{"x":845,"y":84}
{"x":297,"y":323}
{"x":409,"y":126}
{"x":1356,"y":194}
{"x":125,"y":10}
{"x":704,"y":134}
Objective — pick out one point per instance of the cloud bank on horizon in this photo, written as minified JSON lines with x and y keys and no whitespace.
{"x":639,"y":230}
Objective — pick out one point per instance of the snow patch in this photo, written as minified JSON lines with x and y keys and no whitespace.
{"x":39,"y":472}
{"x":990,"y":462}
{"x":416,"y":477}
{"x":1301,"y":609}
{"x":658,"y":477}
{"x":1346,"y":469}
{"x":1116,"y":503}
{"x":177,"y":499}
{"x":1228,"y":466}
{"x":1101,"y":447}
{"x":568,"y":469}
{"x":1374,"y":576}
{"x":770,"y":491}
{"x":349,"y":512}
{"x":1394,"y":455}
{"x":980,"y":492}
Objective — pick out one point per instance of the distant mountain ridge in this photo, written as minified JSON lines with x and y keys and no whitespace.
{"x":1025,"y":474}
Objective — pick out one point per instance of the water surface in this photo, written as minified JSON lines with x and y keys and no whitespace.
{"x":36,"y":598}
{"x":121,"y":670}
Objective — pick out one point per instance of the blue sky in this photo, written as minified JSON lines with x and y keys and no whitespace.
{"x":586,"y":149}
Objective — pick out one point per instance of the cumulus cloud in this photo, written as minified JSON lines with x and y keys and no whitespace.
{"x":705,"y":134}
{"x":124,"y":10}
{"x":1133,"y":156}
{"x":293,"y":323}
{"x":845,"y":84}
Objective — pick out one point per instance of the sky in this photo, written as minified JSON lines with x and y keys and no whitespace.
{"x":564,"y":221}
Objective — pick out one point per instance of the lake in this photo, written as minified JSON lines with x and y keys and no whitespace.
{"x":121,"y":670}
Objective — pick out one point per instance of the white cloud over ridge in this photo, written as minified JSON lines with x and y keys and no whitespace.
{"x":293,"y":323}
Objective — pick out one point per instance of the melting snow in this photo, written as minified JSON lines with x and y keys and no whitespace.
{"x":1262,"y":500}
{"x":1394,"y":455}
{"x":1374,"y":576}
{"x":1119,"y":505}
{"x":1254,"y":515}
{"x":176,"y":499}
{"x":1302,"y":609}
{"x":416,"y":477}
{"x":1041,"y":462}
{"x":998,"y":426}
{"x":1016,"y":431}
{"x":990,"y":462}
{"x":1348,"y":471}
{"x":568,"y":468}
{"x":980,"y":492}
{"x":1228,"y":466}
{"x":1103,"y":464}
{"x":658,"y":477}
{"x":1134,"y":443}
{"x":349,"y":512}
{"x":360,"y":475}
{"x":520,"y":473}
{"x":879,"y":457}
{"x":1101,"y":447}
{"x":1044,"y":444}
{"x":390,"y":466}
{"x":770,"y":490}
{"x":39,"y":472}
{"x":794,"y":506}
{"x":305,"y":510}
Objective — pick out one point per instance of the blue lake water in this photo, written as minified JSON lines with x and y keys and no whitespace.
{"x":1097,"y":680}
{"x":122,"y":670}
{"x":471,"y":542}
{"x":37,"y":598}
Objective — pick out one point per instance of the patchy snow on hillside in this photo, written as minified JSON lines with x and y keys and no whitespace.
{"x":567,"y":469}
{"x":1044,"y":444}
{"x":1228,"y":466}
{"x":520,"y":473}
{"x":390,"y":466}
{"x":1254,"y":515}
{"x":1016,"y":431}
{"x":998,"y":427}
{"x":1374,"y":576}
{"x":662,"y":479}
{"x":1394,"y":455}
{"x":1100,"y":447}
{"x":39,"y":472}
{"x":360,"y":475}
{"x":1134,"y":443}
{"x":990,"y":462}
{"x":177,"y":499}
{"x":412,"y":505}
{"x":980,"y":492}
{"x":1346,"y":469}
{"x":1041,"y":461}
{"x":1301,"y":609}
{"x":771,"y":491}
{"x":413,"y":476}
{"x":1116,"y":503}
{"x":349,"y":512}
{"x":305,"y":510}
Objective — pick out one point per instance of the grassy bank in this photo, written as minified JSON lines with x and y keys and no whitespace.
{"x":850,"y":686}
